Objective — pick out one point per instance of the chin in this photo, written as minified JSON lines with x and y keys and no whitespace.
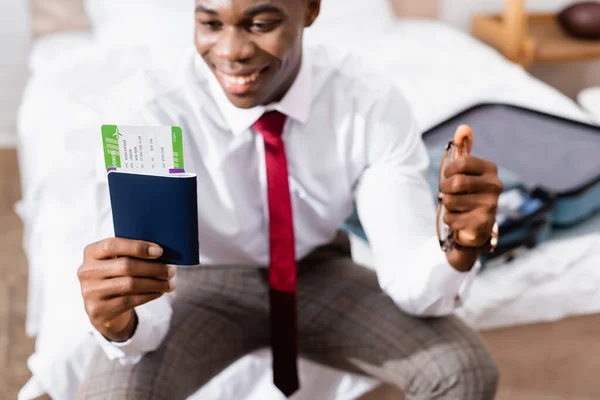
{"x":243,"y":101}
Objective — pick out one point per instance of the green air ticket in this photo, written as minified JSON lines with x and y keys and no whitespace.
{"x":157,"y":149}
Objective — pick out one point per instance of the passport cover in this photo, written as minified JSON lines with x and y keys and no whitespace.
{"x":161,"y":209}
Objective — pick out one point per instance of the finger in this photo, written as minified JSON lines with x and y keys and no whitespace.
{"x":456,"y":221}
{"x":127,"y":286}
{"x":460,"y":223}
{"x":470,"y":165}
{"x":119,"y":247}
{"x":465,"y":235}
{"x":470,"y":238}
{"x":463,"y":184}
{"x":463,"y":134}
{"x":472,"y":229}
{"x":461,"y":203}
{"x":106,"y":311}
{"x":127,"y":266}
{"x":124,"y":266}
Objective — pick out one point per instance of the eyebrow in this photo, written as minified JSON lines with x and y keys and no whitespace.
{"x":263,"y":8}
{"x":203,"y":9}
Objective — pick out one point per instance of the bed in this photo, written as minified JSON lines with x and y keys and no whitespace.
{"x":440,"y":70}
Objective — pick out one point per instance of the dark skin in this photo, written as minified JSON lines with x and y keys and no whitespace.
{"x":470,"y":193}
{"x":254,"y":47}
{"x":118,"y":275}
{"x":241,"y":38}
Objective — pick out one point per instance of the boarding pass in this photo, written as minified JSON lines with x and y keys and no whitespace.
{"x":145,"y":149}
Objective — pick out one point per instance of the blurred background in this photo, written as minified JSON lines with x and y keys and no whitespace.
{"x":15,"y":34}
{"x":538,"y":308}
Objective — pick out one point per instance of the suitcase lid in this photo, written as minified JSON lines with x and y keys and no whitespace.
{"x":545,"y":151}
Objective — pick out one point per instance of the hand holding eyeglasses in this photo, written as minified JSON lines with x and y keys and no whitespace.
{"x":468,"y":198}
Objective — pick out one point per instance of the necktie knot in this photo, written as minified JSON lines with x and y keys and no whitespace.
{"x":270,"y":125}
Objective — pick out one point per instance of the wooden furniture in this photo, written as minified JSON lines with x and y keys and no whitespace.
{"x":415,"y":8}
{"x":531,"y":38}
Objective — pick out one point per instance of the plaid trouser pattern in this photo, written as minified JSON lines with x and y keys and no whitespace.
{"x":345,"y":321}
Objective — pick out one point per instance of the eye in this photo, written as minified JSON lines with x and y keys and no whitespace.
{"x":212,"y":25}
{"x":263,"y":26}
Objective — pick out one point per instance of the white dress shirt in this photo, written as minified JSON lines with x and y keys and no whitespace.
{"x":351,"y":141}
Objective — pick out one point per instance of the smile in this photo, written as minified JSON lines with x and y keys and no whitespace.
{"x":239,"y":80}
{"x":238,"y":84}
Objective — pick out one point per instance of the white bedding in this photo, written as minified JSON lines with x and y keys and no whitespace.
{"x":440,"y":70}
{"x":589,"y":99}
{"x":48,"y":50}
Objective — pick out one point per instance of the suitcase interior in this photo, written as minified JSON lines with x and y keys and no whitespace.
{"x":557,"y":155}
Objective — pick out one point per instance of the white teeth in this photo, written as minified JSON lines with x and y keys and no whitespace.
{"x":240,"y":80}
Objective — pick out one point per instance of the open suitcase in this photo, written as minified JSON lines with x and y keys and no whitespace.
{"x":550,"y":167}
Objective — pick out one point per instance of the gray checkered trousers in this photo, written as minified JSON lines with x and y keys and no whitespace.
{"x":345,"y":321}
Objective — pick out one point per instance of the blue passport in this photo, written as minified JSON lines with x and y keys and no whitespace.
{"x":161,"y":209}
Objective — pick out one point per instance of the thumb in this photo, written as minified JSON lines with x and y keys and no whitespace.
{"x":463,"y":137}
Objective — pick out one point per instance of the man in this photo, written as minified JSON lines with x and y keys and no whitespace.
{"x":256,"y":107}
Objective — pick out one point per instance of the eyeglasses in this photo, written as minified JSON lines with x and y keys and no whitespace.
{"x":453,"y":151}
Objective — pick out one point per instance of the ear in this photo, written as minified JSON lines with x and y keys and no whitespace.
{"x":313,"y":7}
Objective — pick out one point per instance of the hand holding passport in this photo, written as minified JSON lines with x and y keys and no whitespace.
{"x":155,"y":219}
{"x":118,"y":275}
{"x":151,"y":196}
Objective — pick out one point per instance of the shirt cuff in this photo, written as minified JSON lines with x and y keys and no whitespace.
{"x":153,"y":324}
{"x":461,"y":281}
{"x":437,"y":289}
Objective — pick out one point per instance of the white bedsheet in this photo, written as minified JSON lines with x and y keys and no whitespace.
{"x":560,"y":278}
{"x":440,"y":70}
{"x":589,"y":99}
{"x":47,"y":50}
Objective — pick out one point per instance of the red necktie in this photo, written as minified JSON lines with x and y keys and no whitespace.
{"x":282,"y":266}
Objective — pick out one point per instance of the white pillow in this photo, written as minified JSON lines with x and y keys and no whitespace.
{"x":49,"y":49}
{"x":156,"y":23}
{"x":171,"y":22}
{"x":350,"y":23}
{"x":361,"y":15}
{"x":589,"y":100}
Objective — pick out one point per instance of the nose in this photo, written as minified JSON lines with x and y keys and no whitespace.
{"x":233,"y":45}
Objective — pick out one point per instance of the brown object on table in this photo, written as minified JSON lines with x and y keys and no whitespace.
{"x":581,"y":20}
{"x":531,"y":38}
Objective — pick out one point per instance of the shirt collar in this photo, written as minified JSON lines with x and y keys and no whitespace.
{"x":295,"y":104}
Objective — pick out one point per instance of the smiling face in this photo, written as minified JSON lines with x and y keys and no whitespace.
{"x":254,"y":47}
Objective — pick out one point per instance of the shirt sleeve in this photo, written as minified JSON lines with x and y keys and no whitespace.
{"x":396,"y":207}
{"x":154,"y":320}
